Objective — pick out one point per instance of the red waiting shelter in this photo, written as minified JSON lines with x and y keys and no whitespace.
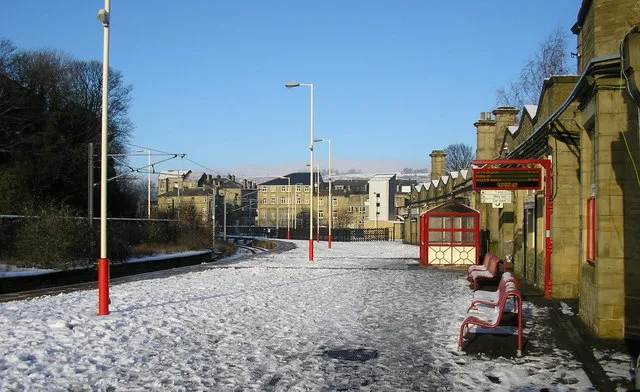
{"x":450,"y":234}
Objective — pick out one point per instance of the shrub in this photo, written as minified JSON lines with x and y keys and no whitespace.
{"x":52,"y":236}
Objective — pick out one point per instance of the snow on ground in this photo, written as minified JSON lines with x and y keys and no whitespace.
{"x":616,"y":364}
{"x":566,"y":309}
{"x":9,"y":271}
{"x":268,"y":323}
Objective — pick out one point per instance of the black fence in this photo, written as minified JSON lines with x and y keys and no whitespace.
{"x":339,"y":235}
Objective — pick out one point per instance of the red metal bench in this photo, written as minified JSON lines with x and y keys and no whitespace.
{"x":479,"y":267}
{"x":494,"y":312}
{"x":489,"y":273}
{"x":491,"y":298}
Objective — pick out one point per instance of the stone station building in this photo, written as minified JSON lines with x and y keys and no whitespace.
{"x":588,"y":126}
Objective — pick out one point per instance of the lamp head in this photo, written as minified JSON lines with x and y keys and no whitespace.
{"x":317,"y":140}
{"x":291,"y":84}
{"x":103,"y":17}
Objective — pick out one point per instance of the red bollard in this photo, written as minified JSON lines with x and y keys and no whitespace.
{"x":103,"y":287}
{"x":329,"y":240}
{"x":310,"y":250}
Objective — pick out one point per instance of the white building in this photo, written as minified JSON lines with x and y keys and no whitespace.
{"x":382,"y":192}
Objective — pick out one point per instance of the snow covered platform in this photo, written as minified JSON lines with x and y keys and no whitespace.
{"x":358,"y":318}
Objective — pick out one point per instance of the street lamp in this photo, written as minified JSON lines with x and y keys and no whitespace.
{"x":330,"y":236}
{"x":288,"y":207}
{"x":295,"y":209}
{"x":317,"y":203}
{"x":310,"y":85}
{"x":103,"y":262}
{"x":176,"y":186}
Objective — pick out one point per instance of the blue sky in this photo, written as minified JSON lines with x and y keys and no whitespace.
{"x":394,"y":79}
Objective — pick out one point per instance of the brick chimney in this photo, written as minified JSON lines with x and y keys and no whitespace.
{"x":438,"y":163}
{"x":485,"y":136}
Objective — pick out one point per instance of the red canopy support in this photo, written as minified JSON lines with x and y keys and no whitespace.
{"x":548,"y":205}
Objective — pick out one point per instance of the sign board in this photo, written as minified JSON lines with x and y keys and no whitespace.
{"x":495,"y":196}
{"x":512,"y":178}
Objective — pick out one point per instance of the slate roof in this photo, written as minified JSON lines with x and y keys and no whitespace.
{"x":296,"y":178}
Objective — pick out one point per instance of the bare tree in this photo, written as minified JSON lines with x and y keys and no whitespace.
{"x":342,"y":218}
{"x":550,"y":59}
{"x":459,"y":156}
{"x":6,"y":52}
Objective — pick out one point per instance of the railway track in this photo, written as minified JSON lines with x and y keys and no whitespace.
{"x":250,"y":251}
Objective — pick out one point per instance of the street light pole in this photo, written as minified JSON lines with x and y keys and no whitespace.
{"x":214,"y":194}
{"x":288,"y":207}
{"x":295,"y":210}
{"x":330,"y":236}
{"x":103,"y":262}
{"x":310,"y":85}
{"x":318,"y":204}
{"x":224,"y":218}
{"x":149,"y":184}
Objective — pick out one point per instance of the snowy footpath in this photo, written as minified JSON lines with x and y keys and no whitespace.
{"x":272,"y":322}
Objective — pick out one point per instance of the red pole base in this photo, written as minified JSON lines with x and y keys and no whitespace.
{"x":310,"y":250}
{"x":288,"y":234}
{"x":103,"y":287}
{"x":329,"y":240}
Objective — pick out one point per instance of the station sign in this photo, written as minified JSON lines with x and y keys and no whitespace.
{"x":511,"y":178}
{"x":497,"y":196}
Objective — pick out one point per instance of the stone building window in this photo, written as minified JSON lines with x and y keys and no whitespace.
{"x":591,"y":230}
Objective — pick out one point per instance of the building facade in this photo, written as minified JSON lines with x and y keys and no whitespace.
{"x":186,"y":192}
{"x":277,"y":202}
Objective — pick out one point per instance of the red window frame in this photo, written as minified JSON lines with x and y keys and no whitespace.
{"x":591,"y":230}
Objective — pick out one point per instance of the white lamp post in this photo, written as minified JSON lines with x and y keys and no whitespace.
{"x":295,"y":210}
{"x":288,"y":207}
{"x":103,"y":262}
{"x":330,"y":236}
{"x":310,"y":85}
{"x":317,"y":217}
{"x":149,"y":184}
{"x":318,"y":203}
